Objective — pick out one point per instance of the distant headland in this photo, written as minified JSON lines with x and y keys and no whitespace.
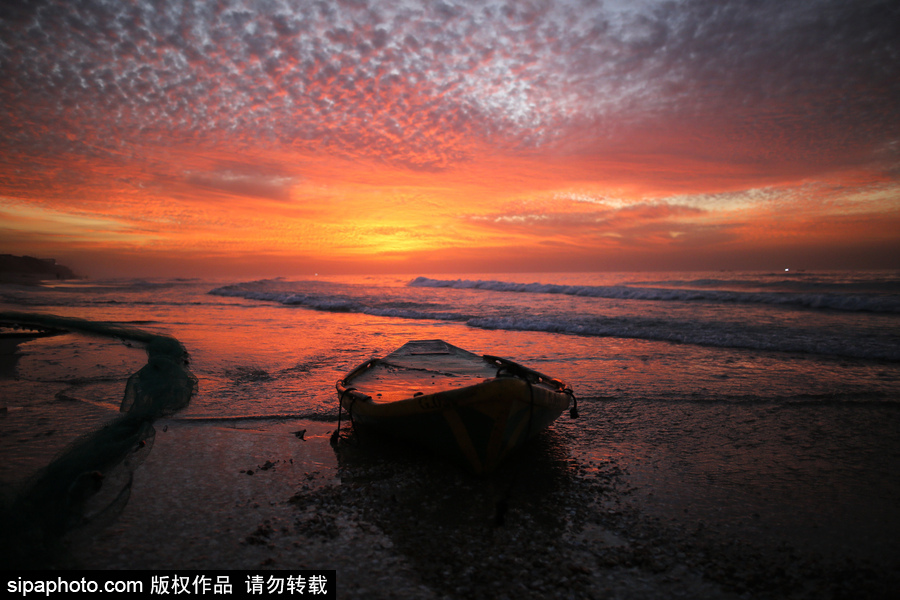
{"x":27,"y":269}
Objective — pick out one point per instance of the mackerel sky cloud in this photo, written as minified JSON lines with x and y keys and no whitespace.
{"x":361,"y":135}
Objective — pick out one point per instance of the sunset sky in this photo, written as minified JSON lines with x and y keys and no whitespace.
{"x":287,"y":137}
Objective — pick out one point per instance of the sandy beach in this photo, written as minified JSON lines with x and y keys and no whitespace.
{"x":399,"y":524}
{"x":695,"y":470}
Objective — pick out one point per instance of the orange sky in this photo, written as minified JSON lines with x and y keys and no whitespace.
{"x":259,"y":139}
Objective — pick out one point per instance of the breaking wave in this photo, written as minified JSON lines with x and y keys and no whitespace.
{"x":802,"y":336}
{"x":879,"y":303}
{"x":340,"y":303}
{"x":718,"y":335}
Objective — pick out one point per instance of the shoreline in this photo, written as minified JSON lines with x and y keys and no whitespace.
{"x":388,"y":519}
{"x":9,"y":344}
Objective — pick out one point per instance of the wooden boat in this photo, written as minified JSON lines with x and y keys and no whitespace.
{"x":476,"y":409}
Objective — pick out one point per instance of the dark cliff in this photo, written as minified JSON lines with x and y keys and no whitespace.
{"x":28,"y":268}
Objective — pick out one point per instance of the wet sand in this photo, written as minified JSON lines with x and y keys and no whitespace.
{"x":9,"y":357}
{"x":399,"y":524}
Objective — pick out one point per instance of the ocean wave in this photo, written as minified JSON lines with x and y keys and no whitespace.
{"x":809,"y":339}
{"x":867,"y":283}
{"x":822,"y":301}
{"x":323,"y":303}
{"x":703,"y":334}
{"x":80,"y":301}
{"x":338,"y":303}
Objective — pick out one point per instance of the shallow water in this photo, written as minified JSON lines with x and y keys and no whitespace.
{"x":767,"y":405}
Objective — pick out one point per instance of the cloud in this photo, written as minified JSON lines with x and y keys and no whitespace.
{"x":26,"y":222}
{"x":304,"y":126}
{"x":238,"y":184}
{"x":423,"y":84}
{"x":619,"y":221}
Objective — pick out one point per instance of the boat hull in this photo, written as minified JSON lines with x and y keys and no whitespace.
{"x":478,"y":425}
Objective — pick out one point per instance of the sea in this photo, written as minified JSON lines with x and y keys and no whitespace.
{"x":766,"y":404}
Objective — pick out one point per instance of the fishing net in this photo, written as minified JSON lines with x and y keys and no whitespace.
{"x":88,"y":483}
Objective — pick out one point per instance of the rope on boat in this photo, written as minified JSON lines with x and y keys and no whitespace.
{"x":573,"y":412}
{"x":511,"y":369}
{"x":336,"y":435}
{"x":502,"y":505}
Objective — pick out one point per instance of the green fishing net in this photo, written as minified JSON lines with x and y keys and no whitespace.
{"x":87,"y":484}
